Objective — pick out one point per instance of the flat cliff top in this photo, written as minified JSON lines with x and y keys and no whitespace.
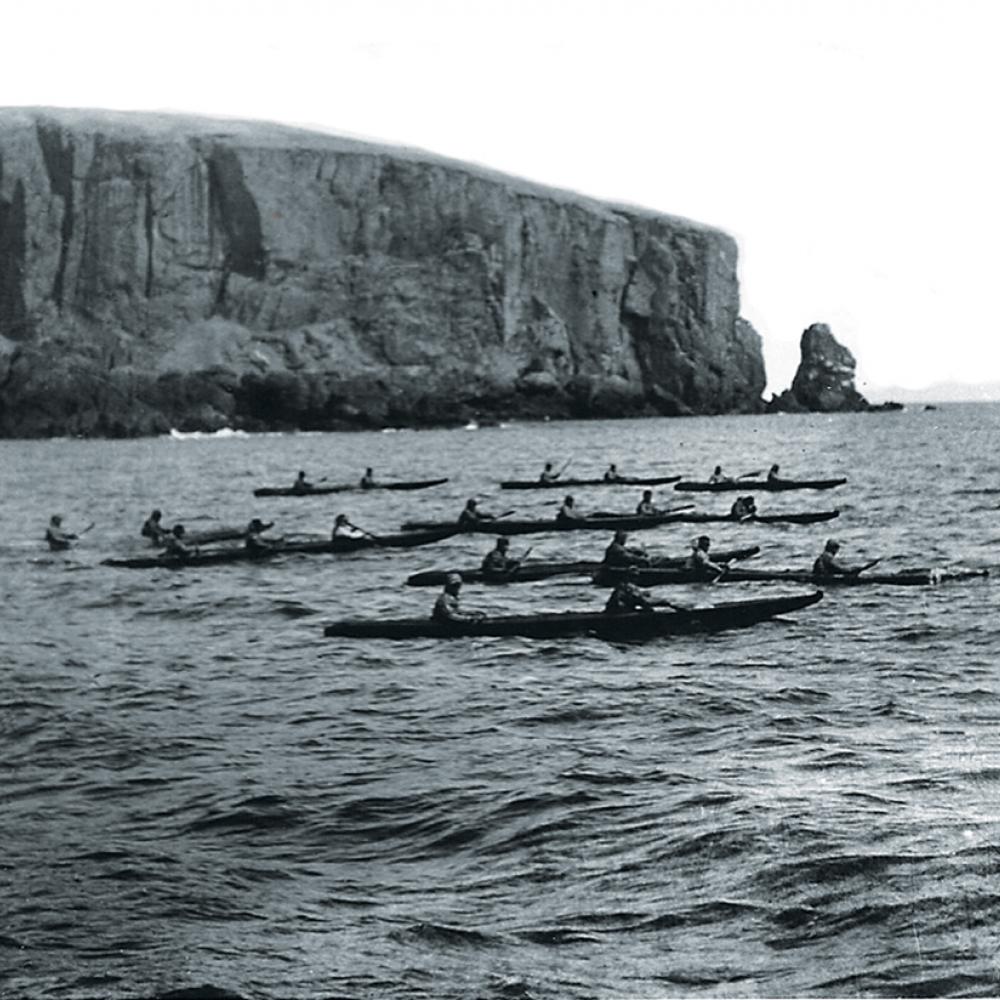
{"x":168,"y":128}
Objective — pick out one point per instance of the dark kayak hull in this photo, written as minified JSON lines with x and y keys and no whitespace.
{"x":534,"y":484}
{"x":334,"y":546}
{"x":546,"y":570}
{"x":508,"y":526}
{"x":606,"y":576}
{"x":289,"y":491}
{"x":766,"y":485}
{"x":628,"y":627}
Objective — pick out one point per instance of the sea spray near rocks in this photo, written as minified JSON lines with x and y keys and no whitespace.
{"x":161,"y":271}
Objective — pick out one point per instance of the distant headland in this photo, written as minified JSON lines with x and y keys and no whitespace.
{"x":162,"y":271}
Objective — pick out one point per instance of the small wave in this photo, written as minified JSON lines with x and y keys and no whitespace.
{"x":558,"y":935}
{"x":223,"y":432}
{"x":445,"y":935}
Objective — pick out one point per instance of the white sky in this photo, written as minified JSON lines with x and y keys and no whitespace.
{"x":850,"y":147}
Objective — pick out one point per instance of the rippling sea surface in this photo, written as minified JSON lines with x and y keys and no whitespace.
{"x":198,"y":788}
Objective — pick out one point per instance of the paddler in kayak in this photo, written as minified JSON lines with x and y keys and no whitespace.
{"x":718,"y":476}
{"x":646,"y":507}
{"x":497,"y":564}
{"x":568,"y":511}
{"x":447,"y":607}
{"x":611,"y":476}
{"x":342,"y":528}
{"x":471,"y":514}
{"x":627,"y":596}
{"x":174,"y":544}
{"x":742,"y":508}
{"x":152,"y":527}
{"x":56,"y":536}
{"x":772,"y":473}
{"x":549,"y":474}
{"x":368,"y":480}
{"x":254,"y":539}
{"x":826,"y":563}
{"x":700,"y":563}
{"x":301,"y":484}
{"x":619,"y":555}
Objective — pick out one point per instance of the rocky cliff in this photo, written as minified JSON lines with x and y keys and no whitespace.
{"x":824,"y":380}
{"x":160,"y":271}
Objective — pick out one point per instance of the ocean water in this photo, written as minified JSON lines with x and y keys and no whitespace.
{"x":199,"y":788}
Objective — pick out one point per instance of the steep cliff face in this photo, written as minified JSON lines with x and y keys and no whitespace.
{"x":158,"y":271}
{"x":824,"y":380}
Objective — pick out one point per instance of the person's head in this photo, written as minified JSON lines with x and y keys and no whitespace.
{"x":453,"y":583}
{"x":621,"y":537}
{"x":647,"y":495}
{"x":613,"y":467}
{"x":156,"y":515}
{"x":703,"y":542}
{"x":548,"y":466}
{"x":178,"y":530}
{"x":568,"y":501}
{"x":302,"y":474}
{"x":718,"y":470}
{"x":832,"y":545}
{"x":774,"y":469}
{"x":368,"y":471}
{"x":55,"y":520}
{"x":503,"y":543}
{"x":256,"y":524}
{"x":470,"y":504}
{"x":340,"y":519}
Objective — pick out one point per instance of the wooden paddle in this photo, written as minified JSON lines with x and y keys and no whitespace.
{"x":748,"y":475}
{"x":89,"y":526}
{"x":728,"y":565}
{"x":367,"y":534}
{"x":867,"y":565}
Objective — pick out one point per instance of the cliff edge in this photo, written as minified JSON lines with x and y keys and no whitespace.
{"x":161,"y":271}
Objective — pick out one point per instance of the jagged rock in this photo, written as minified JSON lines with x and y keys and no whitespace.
{"x":159,"y":271}
{"x":824,"y":381}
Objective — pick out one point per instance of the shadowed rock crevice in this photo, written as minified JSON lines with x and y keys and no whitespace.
{"x":58,"y":158}
{"x":13,"y":313}
{"x":235,"y":214}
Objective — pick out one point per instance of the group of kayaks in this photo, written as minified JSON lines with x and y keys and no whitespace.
{"x":658,"y":572}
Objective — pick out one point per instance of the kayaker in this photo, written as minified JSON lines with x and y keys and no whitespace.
{"x":301,"y":485}
{"x":611,"y":476}
{"x":826,"y":563}
{"x":152,"y":527}
{"x":447,"y":607}
{"x":497,"y":563}
{"x":718,"y":476}
{"x":743,"y":508}
{"x":342,"y":528}
{"x":549,"y":475}
{"x":772,"y":473}
{"x":700,"y":563}
{"x":627,"y":596}
{"x":471,"y":514}
{"x":254,"y":539}
{"x":618,"y":554}
{"x":174,"y":544}
{"x":646,"y":507}
{"x":368,"y":480}
{"x":56,"y":536}
{"x":568,"y":511}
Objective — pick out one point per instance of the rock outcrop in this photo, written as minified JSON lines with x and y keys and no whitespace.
{"x":161,"y":271}
{"x":824,"y":381}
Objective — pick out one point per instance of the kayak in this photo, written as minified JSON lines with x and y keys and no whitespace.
{"x":535,"y":484}
{"x":621,"y":522}
{"x":768,"y":485}
{"x":635,"y":625}
{"x":408,"y":539}
{"x":217,"y":535}
{"x":545,"y":570}
{"x":652,"y":576}
{"x":291,"y":491}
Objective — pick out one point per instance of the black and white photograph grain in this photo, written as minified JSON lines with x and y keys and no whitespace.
{"x":502,"y":500}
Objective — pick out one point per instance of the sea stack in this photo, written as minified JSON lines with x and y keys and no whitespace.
{"x":824,"y":381}
{"x":160,"y":271}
